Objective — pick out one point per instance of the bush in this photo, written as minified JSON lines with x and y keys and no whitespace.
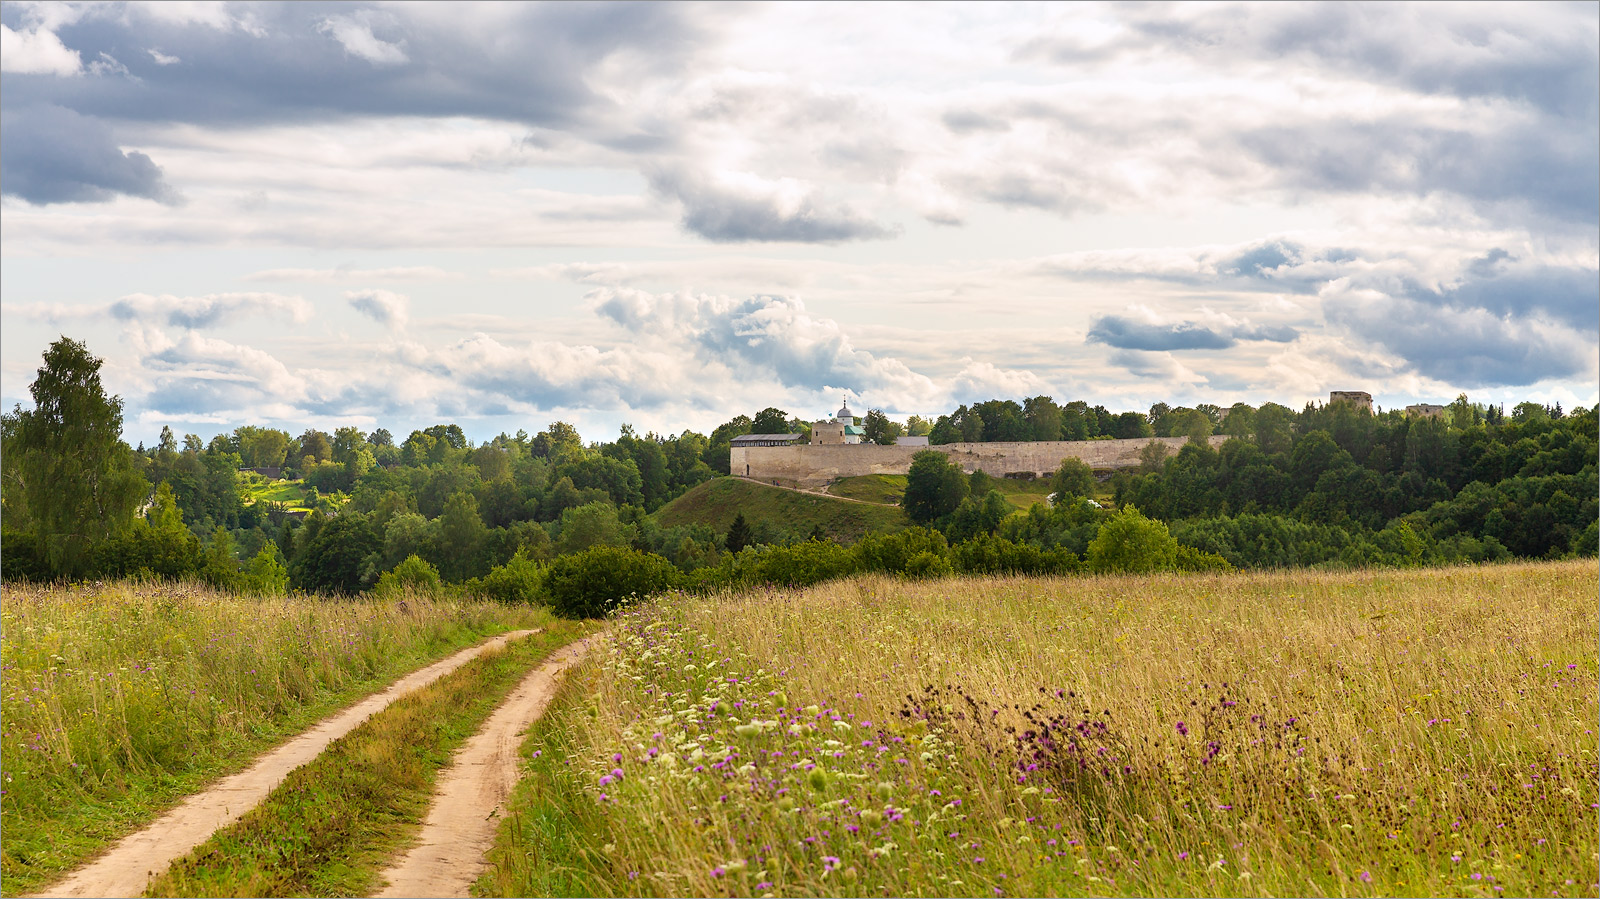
{"x":890,"y":553}
{"x":804,"y":564}
{"x":592,"y":583}
{"x":1187,"y":558}
{"x":411,"y":576}
{"x":265,"y":574}
{"x":22,"y":558}
{"x":926,"y":565}
{"x":997,"y":555}
{"x":517,"y":581}
{"x":1131,"y":543}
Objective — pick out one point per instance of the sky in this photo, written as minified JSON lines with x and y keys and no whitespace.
{"x":501,"y":215}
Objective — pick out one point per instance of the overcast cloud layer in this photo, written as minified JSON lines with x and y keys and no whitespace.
{"x":504,"y":214}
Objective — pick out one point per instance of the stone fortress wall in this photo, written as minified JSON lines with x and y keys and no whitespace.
{"x":807,"y":465}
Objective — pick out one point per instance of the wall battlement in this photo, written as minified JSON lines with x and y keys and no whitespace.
{"x":814,"y":466}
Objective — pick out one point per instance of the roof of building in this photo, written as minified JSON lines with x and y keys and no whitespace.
{"x":844,"y":412}
{"x":758,"y":439}
{"x":852,"y":429}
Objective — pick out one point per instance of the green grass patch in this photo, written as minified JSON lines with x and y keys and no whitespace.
{"x":890,"y":488}
{"x":716,"y":502}
{"x":119,"y":700}
{"x":872,"y":488}
{"x":333,"y":824}
{"x":256,"y":488}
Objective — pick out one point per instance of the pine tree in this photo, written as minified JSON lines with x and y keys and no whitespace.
{"x":739,"y":535}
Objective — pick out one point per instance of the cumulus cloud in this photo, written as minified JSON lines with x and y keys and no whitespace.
{"x":1465,"y":346}
{"x":36,"y":52}
{"x":774,"y":335}
{"x":738,"y":207}
{"x":392,"y":310}
{"x":49,"y":154}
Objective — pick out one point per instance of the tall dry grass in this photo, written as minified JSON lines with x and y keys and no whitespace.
{"x":115,"y":700}
{"x":1375,"y":733}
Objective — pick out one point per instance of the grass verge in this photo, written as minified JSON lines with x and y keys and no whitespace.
{"x":332,"y":825}
{"x":119,"y":700}
{"x":1370,"y":733}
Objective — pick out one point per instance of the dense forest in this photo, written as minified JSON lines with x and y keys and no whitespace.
{"x":1329,"y":485}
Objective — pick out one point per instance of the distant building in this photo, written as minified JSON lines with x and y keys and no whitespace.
{"x":839,"y":429}
{"x":1424,"y":410}
{"x":911,"y":441}
{"x":765,"y":440}
{"x":1358,"y":398}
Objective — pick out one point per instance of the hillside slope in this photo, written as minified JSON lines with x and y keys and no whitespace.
{"x":716,"y":502}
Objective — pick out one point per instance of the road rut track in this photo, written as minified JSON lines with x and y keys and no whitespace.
{"x":450,"y":852}
{"x":126,"y":868}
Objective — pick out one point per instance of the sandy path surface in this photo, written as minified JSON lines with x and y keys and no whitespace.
{"x":461,"y":824}
{"x":127,"y":867}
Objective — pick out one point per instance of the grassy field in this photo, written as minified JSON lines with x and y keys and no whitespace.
{"x":716,"y":502}
{"x":331,"y":825}
{"x":889,"y":488}
{"x":1424,"y":732}
{"x":256,"y":488}
{"x":118,"y":700}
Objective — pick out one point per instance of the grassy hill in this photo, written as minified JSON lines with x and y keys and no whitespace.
{"x":716,"y":502}
{"x":888,"y":488}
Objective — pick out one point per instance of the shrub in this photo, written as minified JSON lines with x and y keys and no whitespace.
{"x":592,"y":583}
{"x":413,"y":575}
{"x":803,"y":564}
{"x":1187,"y":558}
{"x":517,"y":581}
{"x":926,"y":565}
{"x":891,"y":553}
{"x":1132,"y":543}
{"x":265,"y":573}
{"x":1073,"y":478}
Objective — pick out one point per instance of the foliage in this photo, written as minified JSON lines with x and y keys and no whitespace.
{"x":935,"y":487}
{"x":412,"y":577}
{"x":519,"y":580}
{"x":265,"y":574}
{"x":1131,"y":543}
{"x":67,"y":471}
{"x":592,"y":583}
{"x":1073,"y":479}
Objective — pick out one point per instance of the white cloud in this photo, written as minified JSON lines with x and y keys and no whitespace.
{"x":36,"y":52}
{"x":162,"y":59}
{"x":358,"y":40}
{"x":392,"y":310}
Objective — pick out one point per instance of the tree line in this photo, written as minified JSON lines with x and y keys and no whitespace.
{"x":1329,"y":485}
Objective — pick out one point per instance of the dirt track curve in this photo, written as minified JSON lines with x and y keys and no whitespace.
{"x":460,"y":827}
{"x":127,"y":867}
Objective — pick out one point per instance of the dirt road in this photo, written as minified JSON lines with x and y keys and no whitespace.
{"x":461,"y":824}
{"x":128,"y":866}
